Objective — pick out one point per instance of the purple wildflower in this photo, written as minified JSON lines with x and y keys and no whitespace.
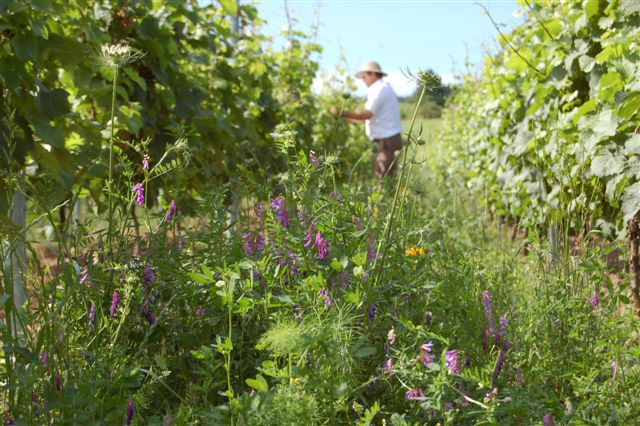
{"x":130,"y":411}
{"x":372,"y":311}
{"x":488,"y":397}
{"x":8,"y":420}
{"x":594,"y":300}
{"x":391,"y":337}
{"x":145,"y":311}
{"x":558,"y":325}
{"x":180,"y":244}
{"x":200,"y":312}
{"x":614,"y":367}
{"x":486,"y":304}
{"x":259,"y":210}
{"x":58,"y":381}
{"x":502,"y":328}
{"x":322,"y":246}
{"x":297,"y":311}
{"x":149,"y":275}
{"x":308,"y":236}
{"x":92,"y":315}
{"x":326,"y":297}
{"x":84,"y":274}
{"x":312,"y":158}
{"x":519,"y":379}
{"x":448,"y":406}
{"x":451,"y":362}
{"x":145,"y":162}
{"x":44,"y":359}
{"x":252,"y":243}
{"x":485,"y":342}
{"x":249,"y":244}
{"x":281,"y":211}
{"x":172,"y":210}
{"x":413,"y":394}
{"x":115,"y":301}
{"x":301,"y":215}
{"x":547,"y":420}
{"x":371,"y":249}
{"x":501,"y":360}
{"x":140,"y":193}
{"x":425,"y":353}
{"x":388,"y":366}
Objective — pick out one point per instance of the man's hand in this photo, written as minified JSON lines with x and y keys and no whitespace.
{"x":334,"y":111}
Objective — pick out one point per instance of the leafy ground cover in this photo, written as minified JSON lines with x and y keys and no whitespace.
{"x":294,"y":289}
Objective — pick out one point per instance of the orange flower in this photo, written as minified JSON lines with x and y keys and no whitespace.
{"x":414,"y":251}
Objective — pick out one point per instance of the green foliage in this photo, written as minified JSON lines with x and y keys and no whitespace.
{"x":547,"y":130}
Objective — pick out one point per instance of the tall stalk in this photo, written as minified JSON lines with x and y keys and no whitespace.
{"x":109,"y":186}
{"x":377,"y":266}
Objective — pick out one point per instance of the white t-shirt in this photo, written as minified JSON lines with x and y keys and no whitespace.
{"x":383,"y":103}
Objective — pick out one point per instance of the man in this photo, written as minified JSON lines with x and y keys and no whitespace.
{"x":381,"y":118}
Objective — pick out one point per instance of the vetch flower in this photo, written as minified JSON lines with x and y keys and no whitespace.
{"x":145,"y":162}
{"x":8,"y":420}
{"x":58,"y":381}
{"x":486,"y":304}
{"x":326,"y":297}
{"x":308,"y":236}
{"x":501,"y":359}
{"x":388,"y":366}
{"x":391,"y":337}
{"x":301,"y":216}
{"x":323,"y":247}
{"x":312,"y":158}
{"x":84,"y":274}
{"x":425,"y":353}
{"x":172,"y":210}
{"x":44,"y":359}
{"x":371,"y":249}
{"x":519,"y":379}
{"x":297,"y":311}
{"x":130,"y":411}
{"x":92,"y":315}
{"x":115,"y":301}
{"x":594,"y":300}
{"x":139,"y":189}
{"x":488,"y":397}
{"x":200,"y":312}
{"x":413,"y":394}
{"x":149,"y":275}
{"x":281,"y":211}
{"x":451,"y":361}
{"x":259,"y":210}
{"x":547,"y":420}
{"x":502,"y":328}
{"x":372,"y":311}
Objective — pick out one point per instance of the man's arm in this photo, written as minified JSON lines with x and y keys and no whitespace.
{"x":356,"y":117}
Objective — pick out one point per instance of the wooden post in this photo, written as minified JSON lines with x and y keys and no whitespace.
{"x":634,"y":263}
{"x":18,"y":254}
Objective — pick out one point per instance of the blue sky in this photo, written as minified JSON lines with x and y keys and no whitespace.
{"x":398,"y":34}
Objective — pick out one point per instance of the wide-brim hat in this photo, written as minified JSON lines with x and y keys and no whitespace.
{"x":371,"y":66}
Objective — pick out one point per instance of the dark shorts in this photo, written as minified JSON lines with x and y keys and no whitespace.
{"x":383,"y":163}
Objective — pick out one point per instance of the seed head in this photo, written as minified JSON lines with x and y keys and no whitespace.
{"x":119,"y":55}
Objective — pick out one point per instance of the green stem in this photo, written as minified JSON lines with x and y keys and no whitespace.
{"x":388,"y":226}
{"x":110,"y":186}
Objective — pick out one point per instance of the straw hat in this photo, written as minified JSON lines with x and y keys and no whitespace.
{"x":371,"y":66}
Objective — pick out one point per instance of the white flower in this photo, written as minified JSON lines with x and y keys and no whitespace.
{"x":118,"y":55}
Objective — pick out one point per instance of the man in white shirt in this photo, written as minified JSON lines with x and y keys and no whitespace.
{"x":380,"y":116}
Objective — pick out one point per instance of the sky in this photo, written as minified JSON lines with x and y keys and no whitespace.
{"x":399,"y":34}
